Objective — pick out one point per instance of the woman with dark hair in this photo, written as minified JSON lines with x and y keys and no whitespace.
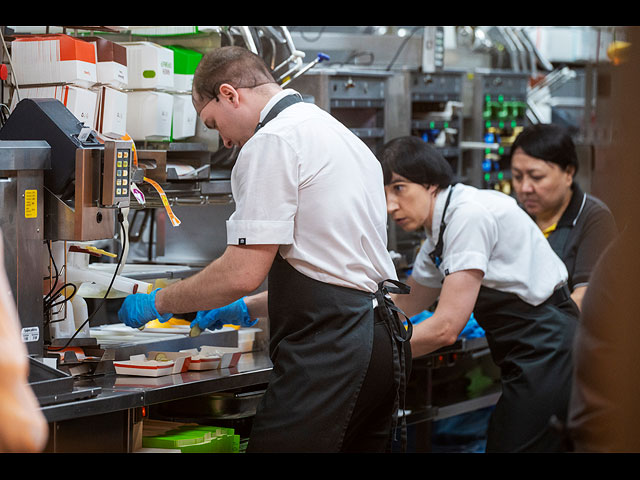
{"x":484,"y":254}
{"x":578,"y":226}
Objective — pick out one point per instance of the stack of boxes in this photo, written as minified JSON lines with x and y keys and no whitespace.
{"x":137,"y":88}
{"x":151,"y":77}
{"x":111,"y":115}
{"x":184,"y":114}
{"x":57,"y":66}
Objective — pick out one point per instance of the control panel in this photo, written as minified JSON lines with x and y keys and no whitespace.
{"x":116,"y":173}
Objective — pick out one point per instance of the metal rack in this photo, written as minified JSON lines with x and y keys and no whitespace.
{"x":355,"y":97}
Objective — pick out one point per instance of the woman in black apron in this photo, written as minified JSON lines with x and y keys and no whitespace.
{"x":530,"y":340}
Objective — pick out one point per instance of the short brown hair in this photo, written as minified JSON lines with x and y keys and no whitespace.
{"x":236,"y":66}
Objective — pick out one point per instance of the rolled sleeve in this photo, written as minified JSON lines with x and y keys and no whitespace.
{"x":256,"y":232}
{"x":469,"y":240}
{"x":264,"y":183}
{"x":466,"y":261}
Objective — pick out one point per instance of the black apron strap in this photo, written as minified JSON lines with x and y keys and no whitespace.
{"x":400,"y":336}
{"x":279,"y":107}
{"x":436,"y":254}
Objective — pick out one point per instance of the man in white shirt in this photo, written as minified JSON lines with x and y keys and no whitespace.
{"x":310,"y":215}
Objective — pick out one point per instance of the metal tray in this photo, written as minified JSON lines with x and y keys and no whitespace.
{"x":223,"y":405}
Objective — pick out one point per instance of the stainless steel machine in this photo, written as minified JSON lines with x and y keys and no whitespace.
{"x":22,"y":167}
{"x":61,"y":184}
{"x":81,"y":186}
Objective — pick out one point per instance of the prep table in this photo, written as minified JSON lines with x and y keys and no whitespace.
{"x":111,"y":421}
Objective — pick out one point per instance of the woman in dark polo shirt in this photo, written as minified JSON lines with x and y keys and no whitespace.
{"x":578,"y":226}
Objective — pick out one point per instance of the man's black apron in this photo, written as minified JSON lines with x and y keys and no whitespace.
{"x":532,"y":346}
{"x":321,"y":344}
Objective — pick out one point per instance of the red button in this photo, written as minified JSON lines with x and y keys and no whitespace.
{"x":4,"y":73}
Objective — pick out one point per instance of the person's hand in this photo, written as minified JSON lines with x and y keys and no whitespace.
{"x":139,"y":309}
{"x":235,"y":313}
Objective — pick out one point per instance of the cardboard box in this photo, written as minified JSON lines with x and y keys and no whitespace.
{"x":58,"y":58}
{"x":79,"y":101}
{"x":184,"y":117}
{"x":111,"y":118}
{"x":185,"y":62}
{"x":149,"y":65}
{"x":149,"y":115}
{"x":111,"y":62}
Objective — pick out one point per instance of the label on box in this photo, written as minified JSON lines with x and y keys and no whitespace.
{"x":30,"y":334}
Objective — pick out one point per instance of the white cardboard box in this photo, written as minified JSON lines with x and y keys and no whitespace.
{"x":53,"y":59}
{"x":149,"y":115}
{"x":111,"y":63}
{"x":184,"y":117}
{"x":111,"y":119}
{"x":149,"y":66}
{"x":79,"y":101}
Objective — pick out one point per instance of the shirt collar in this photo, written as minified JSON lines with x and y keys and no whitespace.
{"x":275,"y":99}
{"x":574,"y":209}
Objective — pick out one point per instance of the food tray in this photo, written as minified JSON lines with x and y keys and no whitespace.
{"x":203,"y":362}
{"x":229,"y":356}
{"x":140,"y":365}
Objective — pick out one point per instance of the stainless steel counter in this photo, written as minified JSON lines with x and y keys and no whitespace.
{"x":123,"y":392}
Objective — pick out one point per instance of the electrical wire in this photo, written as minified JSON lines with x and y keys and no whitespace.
{"x":53,"y":262}
{"x":50,"y":298}
{"x":104,"y":299}
{"x":50,"y":303}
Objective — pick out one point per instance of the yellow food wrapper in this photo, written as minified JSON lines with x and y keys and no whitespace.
{"x":174,"y":220}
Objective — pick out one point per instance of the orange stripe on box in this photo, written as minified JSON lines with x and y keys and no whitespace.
{"x":70,"y":48}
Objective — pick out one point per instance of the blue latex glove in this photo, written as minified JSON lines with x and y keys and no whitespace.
{"x":235,"y":313}
{"x":470,"y":330}
{"x":139,"y":309}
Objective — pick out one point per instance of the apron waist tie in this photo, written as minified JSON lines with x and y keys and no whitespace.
{"x":391,"y":314}
{"x":560,"y":295}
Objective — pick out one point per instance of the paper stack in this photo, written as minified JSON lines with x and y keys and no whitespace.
{"x":47,"y":59}
{"x":57,"y":66}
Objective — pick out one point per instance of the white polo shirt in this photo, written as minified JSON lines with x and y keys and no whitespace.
{"x":306,"y":182}
{"x":488,"y":231}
